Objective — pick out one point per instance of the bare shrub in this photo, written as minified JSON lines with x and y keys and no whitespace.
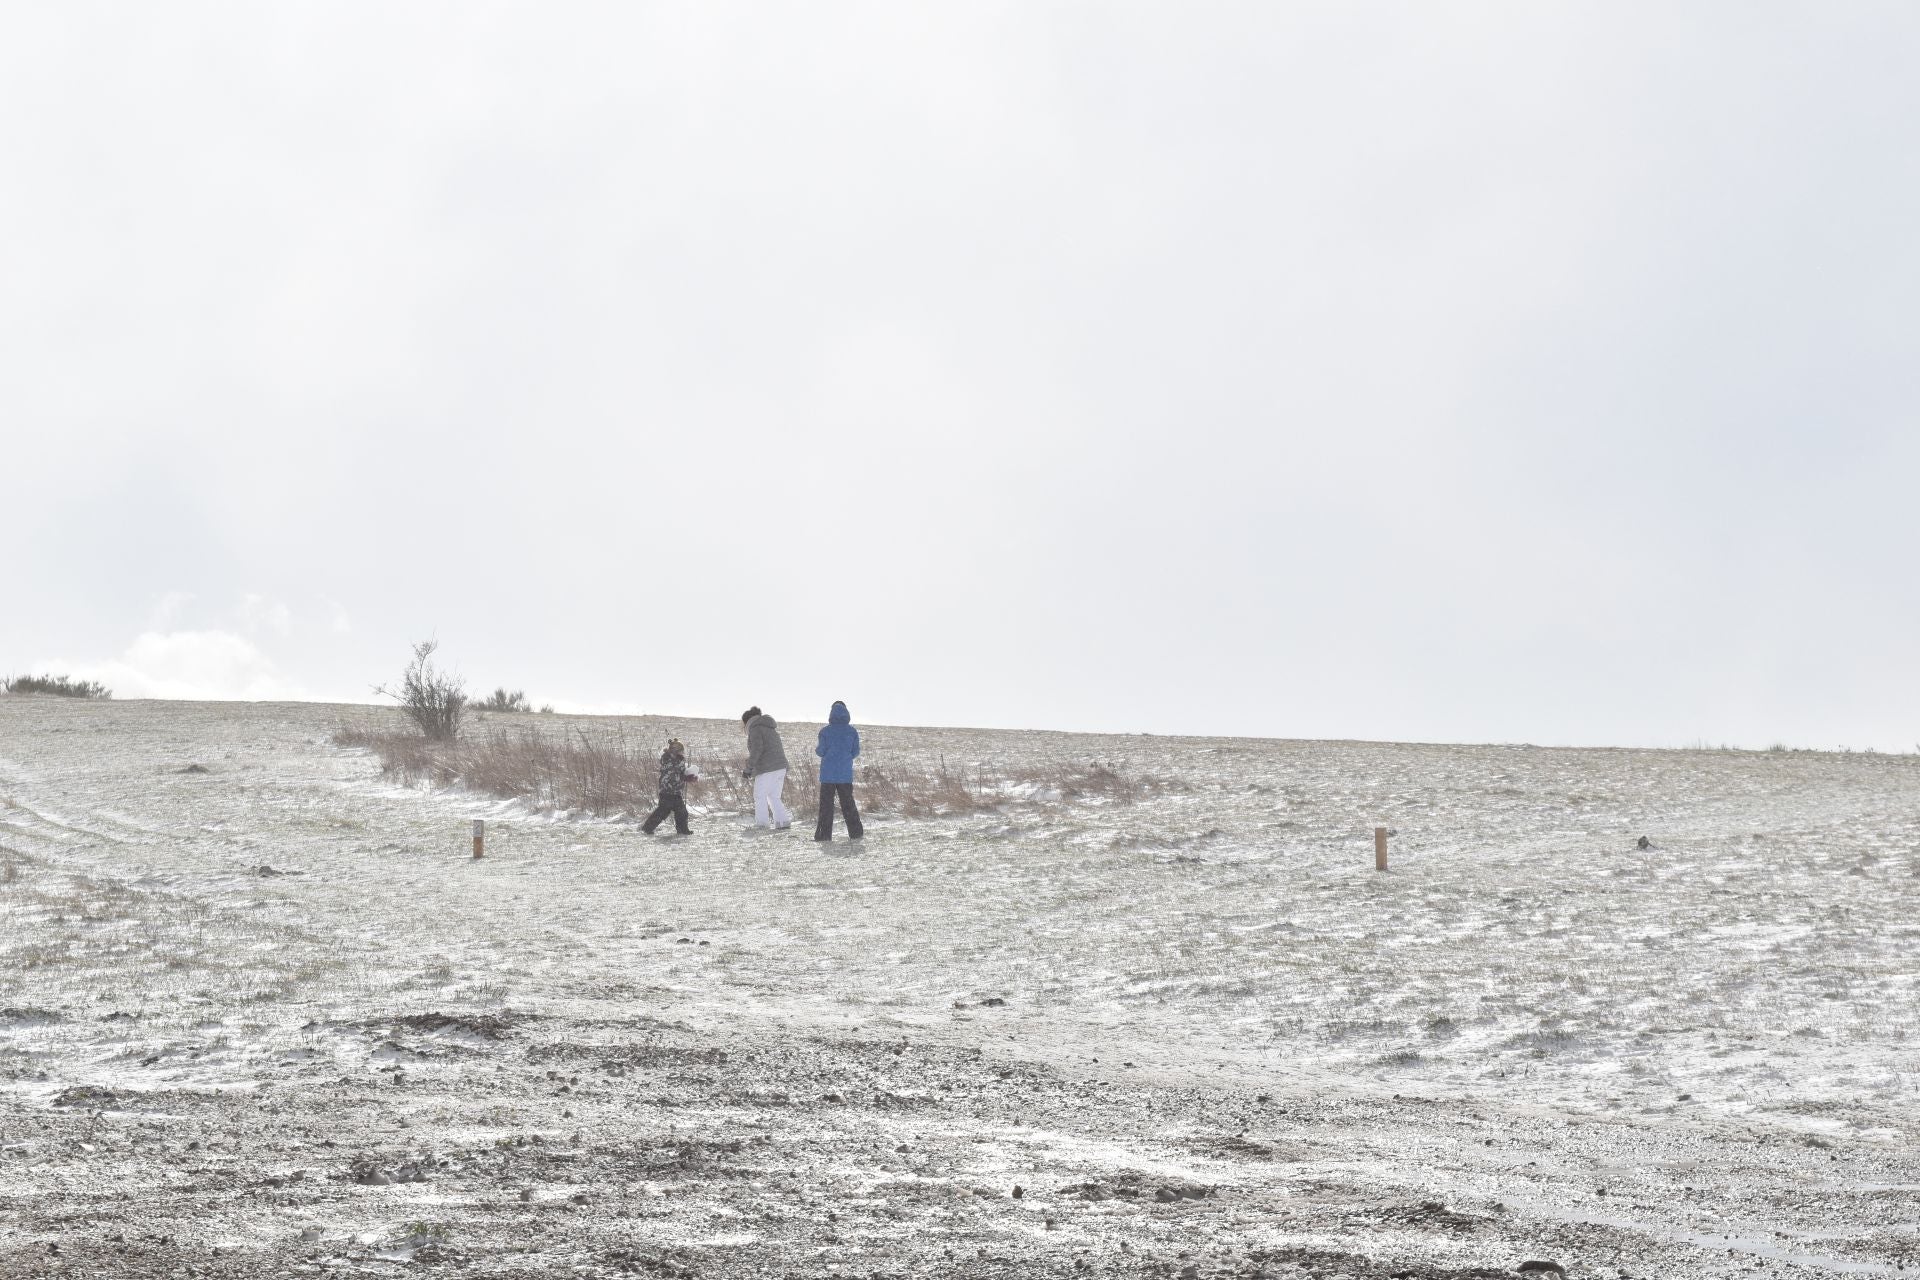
{"x":504,"y":699}
{"x":58,"y":686}
{"x":431,"y":698}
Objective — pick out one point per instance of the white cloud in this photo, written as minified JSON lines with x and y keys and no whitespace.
{"x":195,"y":665}
{"x":168,"y":611}
{"x":258,"y":612}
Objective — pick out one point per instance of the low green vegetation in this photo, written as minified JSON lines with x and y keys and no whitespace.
{"x":58,"y":686}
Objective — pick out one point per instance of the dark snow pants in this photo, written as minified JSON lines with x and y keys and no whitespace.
{"x":823,"y":830}
{"x":671,"y":802}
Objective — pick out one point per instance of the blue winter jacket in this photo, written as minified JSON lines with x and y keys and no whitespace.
{"x":839,"y":744}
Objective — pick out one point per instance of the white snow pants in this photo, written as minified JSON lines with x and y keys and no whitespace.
{"x":767,"y":807}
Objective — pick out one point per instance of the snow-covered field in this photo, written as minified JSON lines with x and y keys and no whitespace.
{"x":270,"y":1018}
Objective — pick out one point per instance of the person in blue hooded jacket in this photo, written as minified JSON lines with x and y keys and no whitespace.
{"x":839,"y":744}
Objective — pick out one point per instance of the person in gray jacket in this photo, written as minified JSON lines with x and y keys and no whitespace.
{"x":766,"y":769}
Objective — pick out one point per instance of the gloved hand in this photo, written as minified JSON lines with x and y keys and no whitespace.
{"x":746,"y":775}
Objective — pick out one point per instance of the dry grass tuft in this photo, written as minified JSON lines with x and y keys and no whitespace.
{"x":612,"y":774}
{"x":942,"y":789}
{"x":547,"y":771}
{"x":504,"y":699}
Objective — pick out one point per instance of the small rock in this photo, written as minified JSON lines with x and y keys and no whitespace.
{"x":1548,"y":1268}
{"x":526,"y":1195}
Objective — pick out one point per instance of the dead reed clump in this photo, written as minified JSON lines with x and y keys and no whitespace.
{"x":547,"y":772}
{"x":603,"y":775}
{"x":610,"y":774}
{"x":942,"y":789}
{"x":921,"y":793}
{"x":368,"y":727}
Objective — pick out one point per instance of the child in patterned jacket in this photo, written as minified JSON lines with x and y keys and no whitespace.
{"x":674,"y":778}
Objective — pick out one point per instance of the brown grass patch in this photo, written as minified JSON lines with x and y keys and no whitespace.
{"x":611,"y":773}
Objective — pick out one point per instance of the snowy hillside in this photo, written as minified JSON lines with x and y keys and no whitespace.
{"x":261,"y":1013}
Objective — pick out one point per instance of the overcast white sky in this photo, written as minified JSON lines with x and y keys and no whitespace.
{"x":1537,"y":372}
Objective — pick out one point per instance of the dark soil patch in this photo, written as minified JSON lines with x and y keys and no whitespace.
{"x":28,"y":1016}
{"x":490,"y":1026}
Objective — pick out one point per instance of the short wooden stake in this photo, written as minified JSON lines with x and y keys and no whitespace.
{"x":1379,"y":849}
{"x":480,"y":838}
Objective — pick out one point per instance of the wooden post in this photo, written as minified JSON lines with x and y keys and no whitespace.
{"x":480,"y":838}
{"x":1379,"y":849}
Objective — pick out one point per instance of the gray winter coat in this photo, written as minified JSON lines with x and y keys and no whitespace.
{"x":764,"y":752}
